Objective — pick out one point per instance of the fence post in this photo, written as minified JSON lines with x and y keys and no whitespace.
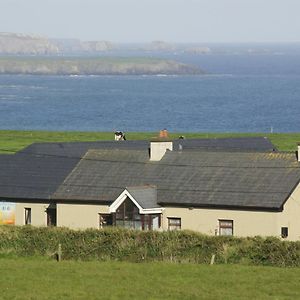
{"x":59,"y":252}
{"x":212,"y":260}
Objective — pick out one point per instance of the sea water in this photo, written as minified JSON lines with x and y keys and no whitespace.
{"x":240,"y":93}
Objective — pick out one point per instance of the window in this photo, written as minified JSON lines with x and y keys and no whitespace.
{"x":51,"y":217}
{"x":155,"y":222}
{"x":225,"y":227}
{"x":127,"y":215}
{"x":105,"y":220}
{"x":284,"y":232}
{"x":174,"y":223}
{"x":27,"y":216}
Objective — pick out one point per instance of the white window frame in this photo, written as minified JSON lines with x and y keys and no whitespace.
{"x":224,"y":226}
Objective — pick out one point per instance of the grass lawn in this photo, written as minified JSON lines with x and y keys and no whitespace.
{"x":36,"y":278}
{"x":11,"y":141}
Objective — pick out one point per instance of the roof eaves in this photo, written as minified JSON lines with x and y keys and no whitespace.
{"x":221,"y":207}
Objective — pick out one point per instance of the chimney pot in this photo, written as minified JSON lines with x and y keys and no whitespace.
{"x":163,"y":133}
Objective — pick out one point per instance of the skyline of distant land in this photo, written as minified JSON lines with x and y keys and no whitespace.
{"x":200,"y":21}
{"x":155,"y":40}
{"x":28,"y":44}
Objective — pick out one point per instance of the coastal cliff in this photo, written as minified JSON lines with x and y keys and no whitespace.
{"x":26,"y":44}
{"x":93,"y":66}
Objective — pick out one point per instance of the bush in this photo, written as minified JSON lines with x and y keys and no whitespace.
{"x":137,"y":246}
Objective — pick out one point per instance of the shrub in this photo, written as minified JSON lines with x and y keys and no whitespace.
{"x":137,"y":246}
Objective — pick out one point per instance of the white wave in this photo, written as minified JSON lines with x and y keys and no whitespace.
{"x":18,"y":87}
{"x":8,"y":97}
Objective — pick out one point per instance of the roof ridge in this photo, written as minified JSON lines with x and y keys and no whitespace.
{"x":143,"y":186}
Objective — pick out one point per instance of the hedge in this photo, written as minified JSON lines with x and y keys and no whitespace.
{"x":145,"y":246}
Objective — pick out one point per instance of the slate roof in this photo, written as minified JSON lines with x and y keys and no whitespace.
{"x":207,"y":172}
{"x":254,"y":180}
{"x":39,"y":169}
{"x":78,"y":149}
{"x":261,"y":144}
{"x":32,"y":176}
{"x":146,"y":196}
{"x":102,"y":184}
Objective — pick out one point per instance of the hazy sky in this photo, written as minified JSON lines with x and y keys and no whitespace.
{"x":148,"y":20}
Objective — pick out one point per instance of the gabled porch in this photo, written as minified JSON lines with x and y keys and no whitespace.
{"x":136,"y":208}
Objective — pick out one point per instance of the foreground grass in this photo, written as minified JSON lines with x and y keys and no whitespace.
{"x":12,"y":141}
{"x":41,"y":279}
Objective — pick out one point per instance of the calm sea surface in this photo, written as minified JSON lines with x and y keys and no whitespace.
{"x":242,"y":93}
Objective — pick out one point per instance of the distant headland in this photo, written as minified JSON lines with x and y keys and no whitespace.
{"x":37,"y":65}
{"x":36,"y":55}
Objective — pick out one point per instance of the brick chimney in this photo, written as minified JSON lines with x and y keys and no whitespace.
{"x":164,"y":134}
{"x":159,"y":146}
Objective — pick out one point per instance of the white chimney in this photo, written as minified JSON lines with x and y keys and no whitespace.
{"x":158,"y":149}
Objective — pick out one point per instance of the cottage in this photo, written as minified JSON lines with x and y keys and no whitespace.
{"x":235,"y":186}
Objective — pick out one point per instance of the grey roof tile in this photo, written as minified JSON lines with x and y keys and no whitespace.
{"x":78,"y":149}
{"x":32,"y":177}
{"x":207,"y":178}
{"x":146,"y":196}
{"x":40,"y":170}
{"x":238,"y":144}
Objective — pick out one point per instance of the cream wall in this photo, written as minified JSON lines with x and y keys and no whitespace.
{"x":79,"y":216}
{"x":290,"y":217}
{"x":245,"y":223}
{"x":38,"y":213}
{"x":74,"y":216}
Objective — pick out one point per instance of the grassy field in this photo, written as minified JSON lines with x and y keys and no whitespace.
{"x":41,"y":279}
{"x":11,"y":141}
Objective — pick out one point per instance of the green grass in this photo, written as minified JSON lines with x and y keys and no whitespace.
{"x":41,"y":279}
{"x":11,"y":141}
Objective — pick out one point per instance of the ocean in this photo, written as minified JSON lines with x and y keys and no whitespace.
{"x":240,"y":93}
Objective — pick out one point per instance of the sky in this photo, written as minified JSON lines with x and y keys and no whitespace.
{"x":185,"y":21}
